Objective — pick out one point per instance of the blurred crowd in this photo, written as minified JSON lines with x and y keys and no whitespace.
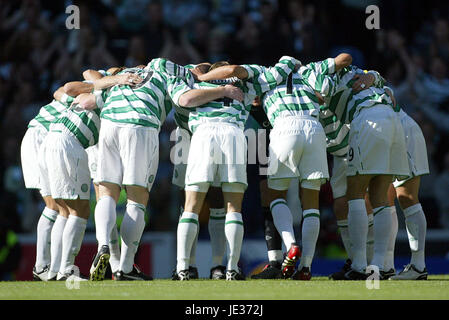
{"x":39,"y":54}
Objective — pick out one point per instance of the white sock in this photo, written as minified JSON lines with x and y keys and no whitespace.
{"x":416,"y":224}
{"x":114,"y":247}
{"x":358,"y":231}
{"x":186,"y":233}
{"x":234,"y":237}
{"x":389,"y":256}
{"x":44,"y":226}
{"x":283,"y":221}
{"x":192,"y":260}
{"x":72,"y":238}
{"x":56,"y":245}
{"x":105,"y":217}
{"x":370,"y":239}
{"x":382,"y":234}
{"x":131,"y":231}
{"x":344,"y":233}
{"x":275,"y":256}
{"x":217,"y":235}
{"x":310,"y":232}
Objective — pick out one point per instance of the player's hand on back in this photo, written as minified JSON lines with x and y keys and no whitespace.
{"x":319,"y":97}
{"x":363,"y":81}
{"x":85,"y":101}
{"x":233,"y":92}
{"x":129,"y":79}
{"x":390,"y":94}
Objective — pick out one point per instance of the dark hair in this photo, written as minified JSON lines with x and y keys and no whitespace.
{"x":118,"y":70}
{"x":218,"y":64}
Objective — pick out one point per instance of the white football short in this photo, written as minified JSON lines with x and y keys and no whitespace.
{"x":416,"y":148}
{"x":127,"y":155}
{"x":338,"y":179}
{"x":377,"y":144}
{"x":218,"y":155}
{"x":179,"y":156}
{"x":29,"y":154}
{"x":64,"y":167}
{"x":297,"y":150}
{"x":92,"y":155}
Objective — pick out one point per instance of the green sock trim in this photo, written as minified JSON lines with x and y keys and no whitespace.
{"x":49,"y":218}
{"x":280,"y":201}
{"x":188,"y":220}
{"x":235,"y":221}
{"x":376,"y":212}
{"x":312,"y":215}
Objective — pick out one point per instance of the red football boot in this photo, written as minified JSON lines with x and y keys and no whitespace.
{"x":289,"y":263}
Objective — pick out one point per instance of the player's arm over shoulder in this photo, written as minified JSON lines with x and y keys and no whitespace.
{"x":75,"y":88}
{"x":330,"y":66}
{"x":198,"y":97}
{"x":225,"y":72}
{"x":342,"y":61}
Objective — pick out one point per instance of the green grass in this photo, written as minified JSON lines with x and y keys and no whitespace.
{"x":437,"y":287}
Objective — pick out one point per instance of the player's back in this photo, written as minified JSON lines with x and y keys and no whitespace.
{"x":83,"y":124}
{"x":48,"y":114}
{"x":141,"y":105}
{"x":223,"y":110}
{"x":346,"y":103}
{"x":291,"y":98}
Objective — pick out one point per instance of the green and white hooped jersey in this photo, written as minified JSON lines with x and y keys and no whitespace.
{"x":221,"y":110}
{"x":260,"y":80}
{"x":49,"y":113}
{"x":338,"y":94}
{"x":181,"y":115}
{"x":84,"y":125}
{"x":341,"y":103}
{"x":144,"y":104}
{"x":337,"y":133}
{"x":294,"y":97}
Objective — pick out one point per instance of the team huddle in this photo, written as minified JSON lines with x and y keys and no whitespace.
{"x":104,"y":129}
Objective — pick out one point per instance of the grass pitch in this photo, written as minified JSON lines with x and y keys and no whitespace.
{"x":320,"y":288}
